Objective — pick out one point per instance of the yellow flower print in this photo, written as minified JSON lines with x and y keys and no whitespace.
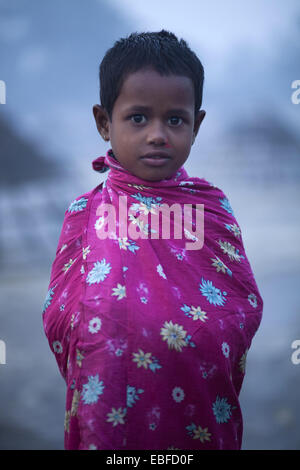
{"x":198,"y":314}
{"x":123,"y":243}
{"x":243,"y":361}
{"x":142,"y":359}
{"x":116,"y":416}
{"x":137,"y":186}
{"x":230,"y":250}
{"x":201,"y":434}
{"x":174,"y":335}
{"x":79,"y":357}
{"x":68,"y":265}
{"x":120,"y":291}
{"x":67,"y":421}
{"x":85,"y":252}
{"x":218,"y":264}
{"x":75,"y":402}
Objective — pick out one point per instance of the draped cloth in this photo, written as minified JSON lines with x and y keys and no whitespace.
{"x":151,"y":336}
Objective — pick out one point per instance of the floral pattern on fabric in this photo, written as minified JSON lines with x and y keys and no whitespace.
{"x":150,"y":337}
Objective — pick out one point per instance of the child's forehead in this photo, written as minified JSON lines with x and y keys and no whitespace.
{"x":146,"y":84}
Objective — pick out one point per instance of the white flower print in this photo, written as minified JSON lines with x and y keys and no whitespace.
{"x":120,"y":291}
{"x":252,"y":300}
{"x":63,"y":248}
{"x":92,"y":389}
{"x":95,"y":325}
{"x":116,"y":416}
{"x":190,"y":235}
{"x":225,"y":349}
{"x":174,"y":335}
{"x":99,"y":272}
{"x":160,"y":271}
{"x":178,"y":394}
{"x":57,"y":347}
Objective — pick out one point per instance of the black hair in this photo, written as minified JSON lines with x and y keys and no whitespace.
{"x":161,"y":51}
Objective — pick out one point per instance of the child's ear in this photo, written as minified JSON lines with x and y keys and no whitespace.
{"x":198,"y":120}
{"x":101,"y":119}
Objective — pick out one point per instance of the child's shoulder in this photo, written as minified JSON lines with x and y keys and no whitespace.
{"x":79,"y":204}
{"x":206,"y":186}
{"x":75,"y":218}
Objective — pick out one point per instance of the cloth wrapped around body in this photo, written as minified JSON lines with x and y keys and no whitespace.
{"x":151,"y":335}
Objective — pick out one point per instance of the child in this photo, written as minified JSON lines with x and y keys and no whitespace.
{"x":150,"y":332}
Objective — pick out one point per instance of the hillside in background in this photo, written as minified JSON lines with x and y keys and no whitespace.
{"x":21,"y":160}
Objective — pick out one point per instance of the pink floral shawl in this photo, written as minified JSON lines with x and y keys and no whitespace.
{"x":151,"y":337}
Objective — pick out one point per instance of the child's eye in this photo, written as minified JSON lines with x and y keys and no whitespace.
{"x":137,"y":118}
{"x":174,"y":120}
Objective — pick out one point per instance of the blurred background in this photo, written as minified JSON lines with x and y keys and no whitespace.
{"x":248,"y":144}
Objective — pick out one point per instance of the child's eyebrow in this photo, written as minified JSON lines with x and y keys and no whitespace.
{"x":138,"y":108}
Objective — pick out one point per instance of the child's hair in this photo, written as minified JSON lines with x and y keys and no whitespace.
{"x":159,"y":50}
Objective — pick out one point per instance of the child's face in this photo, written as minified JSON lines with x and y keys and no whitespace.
{"x":152,"y":114}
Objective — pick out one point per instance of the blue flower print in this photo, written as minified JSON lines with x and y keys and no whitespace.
{"x":190,"y":429}
{"x":235,"y":229}
{"x":133,"y":246}
{"x":99,"y":272}
{"x":132,"y":395}
{"x":188,"y":341}
{"x":148,"y":201}
{"x":48,"y":298}
{"x":226,"y":205}
{"x":186,"y":309}
{"x":78,"y":205}
{"x":154,"y":364}
{"x":222,"y":410}
{"x":92,"y":390}
{"x":212,"y":293}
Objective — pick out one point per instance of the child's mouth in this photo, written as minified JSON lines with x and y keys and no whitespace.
{"x":155,"y":160}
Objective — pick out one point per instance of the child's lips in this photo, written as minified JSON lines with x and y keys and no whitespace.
{"x":156,"y":159}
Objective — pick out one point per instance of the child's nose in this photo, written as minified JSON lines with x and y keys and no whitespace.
{"x":157,"y":134}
